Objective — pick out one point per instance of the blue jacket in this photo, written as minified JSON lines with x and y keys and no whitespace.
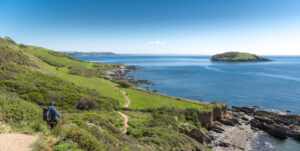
{"x":54,"y":113}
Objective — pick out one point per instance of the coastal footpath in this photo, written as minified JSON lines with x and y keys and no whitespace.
{"x":102,"y":112}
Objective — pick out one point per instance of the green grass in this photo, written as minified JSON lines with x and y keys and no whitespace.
{"x":143,"y":100}
{"x":33,"y":76}
{"x":21,"y":115}
{"x":104,"y":87}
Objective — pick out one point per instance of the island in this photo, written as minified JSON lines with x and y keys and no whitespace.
{"x":237,"y":57}
{"x":77,"y":53}
{"x":107,"y":112}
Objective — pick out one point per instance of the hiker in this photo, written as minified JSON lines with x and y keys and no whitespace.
{"x":51,"y":114}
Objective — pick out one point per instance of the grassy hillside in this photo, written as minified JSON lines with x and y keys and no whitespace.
{"x":31,"y":77}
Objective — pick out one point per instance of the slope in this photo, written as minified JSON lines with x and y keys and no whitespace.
{"x":31,"y":77}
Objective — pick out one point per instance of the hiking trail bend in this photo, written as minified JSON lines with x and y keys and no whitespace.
{"x":124,"y":116}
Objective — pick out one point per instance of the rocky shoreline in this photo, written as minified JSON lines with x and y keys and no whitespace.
{"x":121,"y":73}
{"x":233,"y":137}
{"x":241,"y":125}
{"x":231,"y":129}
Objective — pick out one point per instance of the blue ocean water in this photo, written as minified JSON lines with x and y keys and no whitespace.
{"x":271,"y":85}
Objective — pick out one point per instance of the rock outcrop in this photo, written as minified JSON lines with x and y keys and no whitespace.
{"x":279,"y":126}
{"x":200,"y":135}
{"x":275,"y":124}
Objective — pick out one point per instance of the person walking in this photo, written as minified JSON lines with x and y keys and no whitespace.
{"x":53,"y":113}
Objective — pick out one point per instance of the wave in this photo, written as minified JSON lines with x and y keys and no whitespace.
{"x":276,"y":76}
{"x":212,"y":68}
{"x":272,"y":69}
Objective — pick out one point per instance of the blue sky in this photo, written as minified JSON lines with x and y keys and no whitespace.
{"x":155,"y":26}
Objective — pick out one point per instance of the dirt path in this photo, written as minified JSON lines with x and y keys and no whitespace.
{"x":16,"y":142}
{"x":124,"y":116}
{"x":127,"y":103}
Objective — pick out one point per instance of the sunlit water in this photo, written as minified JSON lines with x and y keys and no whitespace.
{"x":272,"y":85}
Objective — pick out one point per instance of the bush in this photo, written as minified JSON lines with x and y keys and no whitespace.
{"x":84,"y":139}
{"x":20,"y":114}
{"x":8,"y":55}
{"x":23,"y":46}
{"x":8,"y":39}
{"x":51,"y":62}
{"x":65,"y":147}
{"x":124,"y":83}
{"x":87,"y":104}
{"x":76,"y":70}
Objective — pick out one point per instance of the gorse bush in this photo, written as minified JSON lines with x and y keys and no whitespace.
{"x":23,"y":46}
{"x":20,"y":114}
{"x":51,"y":62}
{"x":84,"y":139}
{"x":124,"y":83}
{"x":8,"y":39}
{"x":66,"y":147}
{"x":43,"y":88}
{"x":77,"y":70}
{"x":11,"y":56}
{"x":87,"y":104}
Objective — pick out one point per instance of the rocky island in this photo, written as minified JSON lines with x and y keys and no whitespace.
{"x":237,"y":57}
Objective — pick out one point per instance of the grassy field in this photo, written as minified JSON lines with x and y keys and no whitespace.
{"x":105,"y":87}
{"x":142,"y":100}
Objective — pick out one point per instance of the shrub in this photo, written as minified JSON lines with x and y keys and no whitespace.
{"x":87,"y":104}
{"x":36,"y":97}
{"x":76,"y":70}
{"x":51,"y":62}
{"x":124,"y":83}
{"x":84,"y":139}
{"x":53,"y":96}
{"x":8,"y":55}
{"x":65,"y":147}
{"x":8,"y":39}
{"x":20,"y":114}
{"x":23,"y":46}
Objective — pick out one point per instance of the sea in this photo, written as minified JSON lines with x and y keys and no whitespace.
{"x":273,"y":86}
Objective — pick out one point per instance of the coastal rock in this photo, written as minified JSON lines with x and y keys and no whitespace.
{"x":279,"y":126}
{"x":198,"y":134}
{"x":219,"y":113}
{"x":232,"y":137}
{"x":206,"y":120}
{"x":120,"y":73}
{"x":247,"y":110}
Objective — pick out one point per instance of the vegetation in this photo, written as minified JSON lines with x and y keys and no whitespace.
{"x":31,"y":77}
{"x":144,"y":100}
{"x":124,"y":83}
{"x":237,"y":57}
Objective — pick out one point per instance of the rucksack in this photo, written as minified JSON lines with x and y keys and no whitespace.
{"x":46,"y":113}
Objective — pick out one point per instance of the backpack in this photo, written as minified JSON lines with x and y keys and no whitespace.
{"x":46,"y":113}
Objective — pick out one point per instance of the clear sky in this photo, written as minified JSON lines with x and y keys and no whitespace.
{"x":155,"y":26}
